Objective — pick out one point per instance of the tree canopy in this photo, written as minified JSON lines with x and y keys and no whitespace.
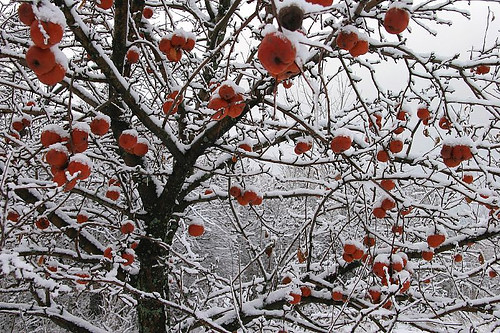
{"x":259,"y":165}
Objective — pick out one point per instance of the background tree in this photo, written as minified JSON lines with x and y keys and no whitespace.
{"x":246,"y":165}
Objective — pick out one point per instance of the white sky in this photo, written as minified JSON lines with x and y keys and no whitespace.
{"x":459,"y":38}
{"x":462,"y":34}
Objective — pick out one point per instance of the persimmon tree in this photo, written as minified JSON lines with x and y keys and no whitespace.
{"x":247,"y":166}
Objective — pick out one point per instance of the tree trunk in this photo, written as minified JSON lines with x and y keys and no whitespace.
{"x":152,"y":278}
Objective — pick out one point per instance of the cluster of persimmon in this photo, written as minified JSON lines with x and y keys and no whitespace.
{"x":82,"y":216}
{"x":481,"y":69}
{"x":53,"y":266}
{"x":406,"y":211}
{"x":130,"y":142}
{"x":100,"y":124}
{"x":468,"y":178}
{"x":386,"y":204}
{"x":453,"y":155}
{"x":402,"y":117}
{"x":46,"y":30}
{"x":350,"y":40}
{"x":369,"y":241}
{"x":395,"y":146}
{"x":132,"y":55}
{"x":196,"y":228}
{"x":492,"y":208}
{"x":353,"y":251}
{"x":60,"y":146}
{"x":339,"y":295}
{"x":42,"y":223}
{"x":375,"y":295}
{"x":227,"y":100}
{"x":340,"y":143}
{"x":127,"y":227}
{"x":393,"y":269}
{"x":305,"y":291}
{"x":114,"y":189}
{"x":13,"y":215}
{"x":424,"y":114}
{"x":436,"y":239}
{"x":147,"y":12}
{"x":290,"y":17}
{"x":104,"y":4}
{"x":19,"y":123}
{"x":246,"y":146}
{"x":301,"y":255}
{"x":82,"y":277}
{"x":175,"y":43}
{"x":428,"y":254}
{"x":277,"y":55}
{"x":444,"y":123}
{"x":171,"y":106}
{"x":324,"y":3}
{"x":382,"y":156}
{"x":377,"y":122}
{"x":396,"y":19}
{"x":128,"y":255}
{"x":303,"y":145}
{"x":245,"y":197}
{"x":387,"y":184}
{"x":397,"y":229}
{"x":295,"y":296}
{"x":30,"y":104}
